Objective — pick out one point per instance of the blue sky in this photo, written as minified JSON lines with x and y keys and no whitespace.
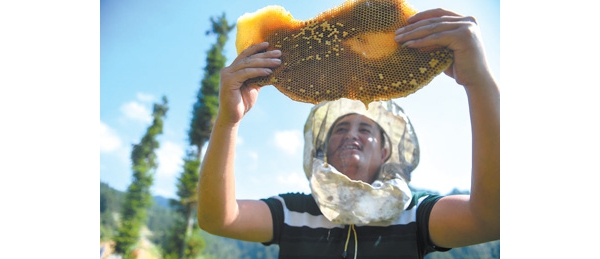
{"x":154,"y":48}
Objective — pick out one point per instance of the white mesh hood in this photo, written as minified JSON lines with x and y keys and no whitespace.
{"x":345,"y":201}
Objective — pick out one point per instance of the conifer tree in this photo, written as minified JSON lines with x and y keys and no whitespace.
{"x":203,"y":117}
{"x":180,"y":244}
{"x":207,"y":103}
{"x":138,"y":197}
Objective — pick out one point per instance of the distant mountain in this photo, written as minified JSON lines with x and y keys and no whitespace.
{"x":105,"y":190}
{"x":160,"y":220}
{"x":161,"y":217}
{"x":162,"y":201}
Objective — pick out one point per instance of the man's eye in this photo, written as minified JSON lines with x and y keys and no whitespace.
{"x":339,"y":130}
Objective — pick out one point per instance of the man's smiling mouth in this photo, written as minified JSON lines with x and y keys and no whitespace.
{"x":350,"y":146}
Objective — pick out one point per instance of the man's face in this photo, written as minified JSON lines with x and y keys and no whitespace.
{"x":355,"y":148}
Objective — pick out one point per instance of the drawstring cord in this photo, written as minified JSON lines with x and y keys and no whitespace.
{"x":345,"y":253}
{"x":346,"y":246}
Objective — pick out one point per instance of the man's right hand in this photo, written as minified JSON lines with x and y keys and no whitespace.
{"x":236,"y":98}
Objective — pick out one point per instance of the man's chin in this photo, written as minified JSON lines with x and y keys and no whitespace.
{"x":345,"y":160}
{"x":348,"y":153}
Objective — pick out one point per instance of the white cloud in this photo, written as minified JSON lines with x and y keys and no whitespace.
{"x":253,"y":165}
{"x":253,"y":155}
{"x":137,"y":111}
{"x":429,"y":177}
{"x":290,"y":178}
{"x":295,"y":180}
{"x":170,"y":158}
{"x":257,"y":186}
{"x":145,"y":97}
{"x":289,"y":141}
{"x":109,"y":140}
{"x":162,"y":192}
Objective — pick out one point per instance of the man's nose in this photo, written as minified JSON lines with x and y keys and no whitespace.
{"x":352,"y":134}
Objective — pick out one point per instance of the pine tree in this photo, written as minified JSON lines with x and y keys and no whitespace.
{"x":207,"y":103}
{"x":189,"y":243}
{"x":138,"y":197}
{"x":179,"y":243}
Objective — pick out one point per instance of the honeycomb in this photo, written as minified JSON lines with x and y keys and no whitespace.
{"x":345,"y":52}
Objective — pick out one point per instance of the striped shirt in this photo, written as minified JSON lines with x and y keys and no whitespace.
{"x":301,"y":231}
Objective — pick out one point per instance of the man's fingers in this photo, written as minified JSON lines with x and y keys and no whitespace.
{"x":257,"y":59}
{"x":260,"y":51}
{"x":252,"y":50}
{"x":424,"y":30}
{"x":435,"y":31}
{"x":428,"y":14}
{"x":254,"y":61}
{"x":435,"y":23}
{"x":269,"y":54}
{"x":247,"y":73}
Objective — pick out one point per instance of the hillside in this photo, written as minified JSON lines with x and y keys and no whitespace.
{"x":161,"y":217}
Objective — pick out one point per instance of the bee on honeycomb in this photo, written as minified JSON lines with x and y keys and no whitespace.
{"x":345,"y":52}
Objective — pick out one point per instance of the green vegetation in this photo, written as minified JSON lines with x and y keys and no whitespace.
{"x":490,"y":250}
{"x":138,"y":198}
{"x":173,"y":227}
{"x":185,"y":240}
{"x":161,"y":220}
{"x":110,"y":204}
{"x":161,"y":217}
{"x":207,"y":104}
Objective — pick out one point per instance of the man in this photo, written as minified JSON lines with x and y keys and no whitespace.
{"x":355,"y":147}
{"x":451,"y":221}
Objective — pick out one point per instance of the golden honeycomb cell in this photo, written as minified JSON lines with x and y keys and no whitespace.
{"x":345,"y":52}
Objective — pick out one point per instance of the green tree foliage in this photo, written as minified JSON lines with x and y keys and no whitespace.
{"x":489,"y":250}
{"x":161,"y":220}
{"x":184,"y":241}
{"x":110,"y":203}
{"x":215,"y":247}
{"x":176,"y":237}
{"x":221,"y":247}
{"x":138,"y":197}
{"x":161,"y":216}
{"x":185,"y":207}
{"x":205,"y":108}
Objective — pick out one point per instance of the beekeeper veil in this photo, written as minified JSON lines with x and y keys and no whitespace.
{"x":346,"y":201}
